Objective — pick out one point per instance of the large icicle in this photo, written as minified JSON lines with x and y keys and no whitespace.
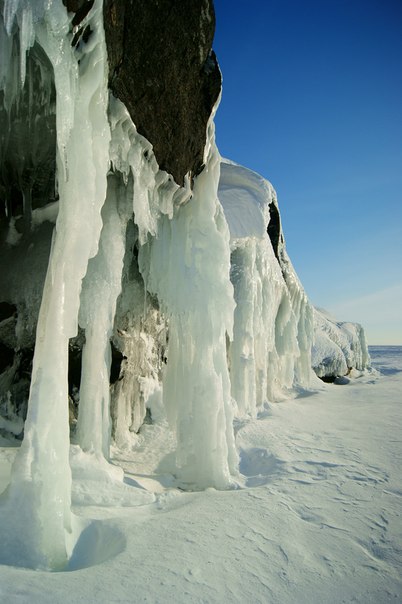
{"x":187,"y":266}
{"x":256,"y":369}
{"x":39,"y":493}
{"x":101,"y":287}
{"x":303,"y":312}
{"x":152,"y":194}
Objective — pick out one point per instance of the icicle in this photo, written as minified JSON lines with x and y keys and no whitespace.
{"x":101,"y":286}
{"x":41,"y":479}
{"x":154,"y":191}
{"x":179,"y":246}
{"x":152,"y":194}
{"x":187,"y":266}
{"x":25,"y":13}
{"x":303,"y":312}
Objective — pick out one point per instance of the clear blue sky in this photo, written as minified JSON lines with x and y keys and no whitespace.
{"x":312,"y":100}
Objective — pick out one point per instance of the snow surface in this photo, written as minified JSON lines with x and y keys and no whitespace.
{"x":315,"y":520}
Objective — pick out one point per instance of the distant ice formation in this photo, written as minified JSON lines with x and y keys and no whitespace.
{"x":338,"y":347}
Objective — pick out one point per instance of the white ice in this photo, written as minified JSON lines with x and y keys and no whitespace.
{"x":40,"y":488}
{"x":271,"y":348}
{"x":180,"y":266}
{"x":338,"y":346}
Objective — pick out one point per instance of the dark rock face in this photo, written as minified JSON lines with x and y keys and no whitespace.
{"x":162,"y":68}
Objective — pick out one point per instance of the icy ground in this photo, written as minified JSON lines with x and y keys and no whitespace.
{"x":316,"y":517}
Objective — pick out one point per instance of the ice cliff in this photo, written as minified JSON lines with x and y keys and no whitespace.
{"x":136,"y":265}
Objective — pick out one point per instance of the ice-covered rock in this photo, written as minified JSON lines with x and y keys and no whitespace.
{"x":338,"y":347}
{"x":270,"y":352}
{"x":163,"y":69}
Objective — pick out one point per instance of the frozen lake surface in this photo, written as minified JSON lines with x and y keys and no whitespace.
{"x":315,"y":516}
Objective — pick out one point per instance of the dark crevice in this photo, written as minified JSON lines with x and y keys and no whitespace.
{"x":328,"y":379}
{"x":7,"y":310}
{"x":6,"y":357}
{"x":274,"y":228}
{"x":117,"y":359}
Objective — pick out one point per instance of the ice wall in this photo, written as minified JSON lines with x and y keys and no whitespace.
{"x":41,"y":479}
{"x":271,"y":348}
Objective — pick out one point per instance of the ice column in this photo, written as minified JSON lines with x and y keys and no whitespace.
{"x":101,"y":287}
{"x":41,"y":481}
{"x":187,"y":266}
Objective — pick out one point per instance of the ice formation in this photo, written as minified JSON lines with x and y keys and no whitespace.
{"x":191,"y":284}
{"x":177,"y":241}
{"x":338,"y":346}
{"x":100,"y":289}
{"x":41,"y":481}
{"x":270,"y":352}
{"x":180,"y":266}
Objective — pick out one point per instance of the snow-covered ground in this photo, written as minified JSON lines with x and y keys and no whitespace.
{"x":315,"y":517}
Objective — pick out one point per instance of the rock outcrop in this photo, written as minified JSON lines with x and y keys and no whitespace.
{"x":339,"y":349}
{"x":162,"y":68}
